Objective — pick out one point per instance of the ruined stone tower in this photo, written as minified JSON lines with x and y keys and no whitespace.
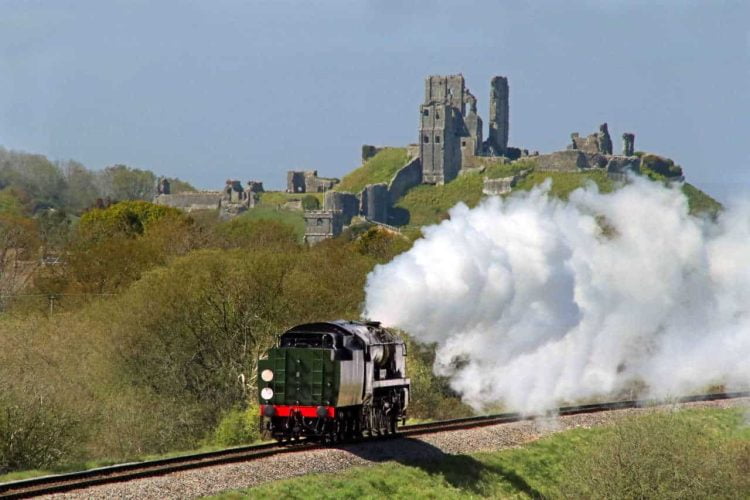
{"x":441,"y":125}
{"x":499,"y":115}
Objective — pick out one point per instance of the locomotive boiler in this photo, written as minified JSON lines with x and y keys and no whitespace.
{"x":333,"y":381}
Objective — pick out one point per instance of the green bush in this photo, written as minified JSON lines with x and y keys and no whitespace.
{"x":662,"y":455}
{"x":126,"y":217}
{"x":658,"y":167}
{"x":310,"y":202}
{"x":431,"y":395}
{"x":34,"y":434}
{"x":508,"y":169}
{"x":238,"y":426}
{"x":381,"y":244}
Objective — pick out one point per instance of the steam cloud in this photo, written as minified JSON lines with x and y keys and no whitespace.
{"x":534,"y":301}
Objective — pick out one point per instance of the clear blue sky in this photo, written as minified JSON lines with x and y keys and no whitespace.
{"x":207,"y":90}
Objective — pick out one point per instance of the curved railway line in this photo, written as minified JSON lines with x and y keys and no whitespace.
{"x":129,"y":471}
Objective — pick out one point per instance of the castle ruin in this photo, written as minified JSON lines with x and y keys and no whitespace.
{"x":307,"y":181}
{"x":230,"y":202}
{"x":450,"y":131}
{"x":450,"y":143}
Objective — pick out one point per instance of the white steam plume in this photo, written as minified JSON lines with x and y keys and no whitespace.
{"x":533,"y":301}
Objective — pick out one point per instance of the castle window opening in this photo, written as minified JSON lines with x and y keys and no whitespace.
{"x":463,"y":143}
{"x":426,"y":112}
{"x":320,"y":222}
{"x":437,"y":139}
{"x":437,"y":115}
{"x":426,"y":139}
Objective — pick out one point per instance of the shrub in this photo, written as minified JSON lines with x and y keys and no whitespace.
{"x":127,"y":217}
{"x":237,"y":427}
{"x":381,"y":244}
{"x":662,"y":455}
{"x":34,"y":434}
{"x":659,"y":165}
{"x":431,"y":395}
{"x":246,"y":232}
{"x":310,"y":202}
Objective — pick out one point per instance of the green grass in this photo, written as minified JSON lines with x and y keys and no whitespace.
{"x":508,"y":169}
{"x":276,"y":199}
{"x":380,"y":168}
{"x":270,"y":212}
{"x":427,"y":204}
{"x":564,"y":183}
{"x":93,"y":464}
{"x":699,"y":202}
{"x":532,"y":471}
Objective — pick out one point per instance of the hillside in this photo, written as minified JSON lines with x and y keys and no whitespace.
{"x":379,"y":168}
{"x":428,"y":204}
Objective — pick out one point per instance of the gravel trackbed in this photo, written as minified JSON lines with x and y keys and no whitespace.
{"x":212,"y":480}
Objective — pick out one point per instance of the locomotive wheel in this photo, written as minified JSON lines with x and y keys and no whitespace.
{"x":392,"y":421}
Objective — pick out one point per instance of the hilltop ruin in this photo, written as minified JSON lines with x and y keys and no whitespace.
{"x":450,"y":142}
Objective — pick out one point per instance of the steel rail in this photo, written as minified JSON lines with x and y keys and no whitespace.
{"x":125,"y":472}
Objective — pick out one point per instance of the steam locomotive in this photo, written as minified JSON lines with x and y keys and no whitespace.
{"x":333,"y":381}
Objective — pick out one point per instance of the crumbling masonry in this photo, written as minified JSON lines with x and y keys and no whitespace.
{"x":450,"y":132}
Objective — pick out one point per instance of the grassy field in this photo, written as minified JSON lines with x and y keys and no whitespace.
{"x":277,"y":199}
{"x":426,"y":204}
{"x":564,"y":183}
{"x":379,"y":168}
{"x":699,"y":202}
{"x":692,"y":453}
{"x":508,"y":169}
{"x":270,"y":212}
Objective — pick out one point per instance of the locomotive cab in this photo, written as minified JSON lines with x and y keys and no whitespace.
{"x":334,"y":380}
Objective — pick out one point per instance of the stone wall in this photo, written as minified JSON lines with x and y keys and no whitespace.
{"x":499,"y":115}
{"x":203,"y":200}
{"x":345,"y":203}
{"x":562,"y":161}
{"x":307,"y":181}
{"x":295,"y":181}
{"x":596,"y":143}
{"x":628,"y":144}
{"x":322,"y":224}
{"x":498,"y":186}
{"x":374,"y":202}
{"x":407,"y":177}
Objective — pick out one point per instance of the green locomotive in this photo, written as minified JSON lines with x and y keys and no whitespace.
{"x":333,"y":381}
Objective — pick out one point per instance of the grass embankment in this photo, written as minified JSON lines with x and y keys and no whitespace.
{"x":564,"y":183}
{"x":426,"y":204}
{"x":380,"y":168}
{"x":699,"y":202}
{"x":508,"y":169}
{"x":277,"y":199}
{"x":271,"y":207}
{"x":687,"y":454}
{"x":290,"y":217}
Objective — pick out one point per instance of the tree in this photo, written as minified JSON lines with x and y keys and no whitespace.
{"x":18,"y":254}
{"x":120,"y":182}
{"x":41,"y":180}
{"x":82,"y":190}
{"x":127,"y":217}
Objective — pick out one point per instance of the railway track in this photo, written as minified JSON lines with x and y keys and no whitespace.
{"x":129,"y":471}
